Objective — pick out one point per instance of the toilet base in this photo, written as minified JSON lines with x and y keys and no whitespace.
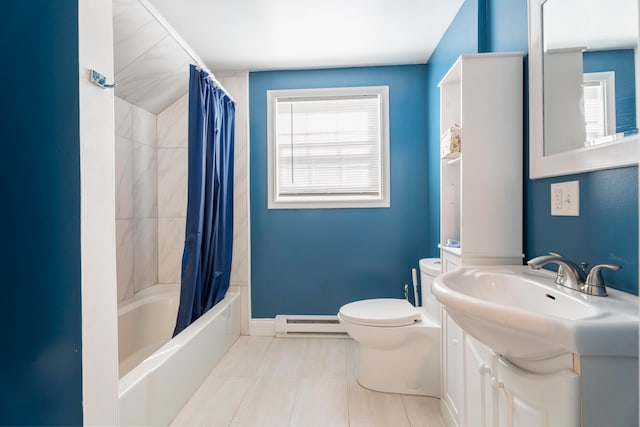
{"x":414,"y":370}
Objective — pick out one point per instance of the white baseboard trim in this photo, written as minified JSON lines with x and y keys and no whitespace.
{"x":262,"y":328}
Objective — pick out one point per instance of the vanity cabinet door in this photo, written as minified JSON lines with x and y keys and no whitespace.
{"x":452,"y":371}
{"x":450,"y":261}
{"x":525,"y":399}
{"x":480,"y":404}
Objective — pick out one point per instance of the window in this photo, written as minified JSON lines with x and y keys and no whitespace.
{"x":328,"y":148}
{"x":599,"y":106}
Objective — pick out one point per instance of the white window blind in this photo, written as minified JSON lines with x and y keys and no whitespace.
{"x":594,"y":110}
{"x":599,"y":106}
{"x":329,"y":146}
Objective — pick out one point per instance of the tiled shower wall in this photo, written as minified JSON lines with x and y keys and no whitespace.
{"x":136,"y":199}
{"x":172,"y":189}
{"x":169,"y":208}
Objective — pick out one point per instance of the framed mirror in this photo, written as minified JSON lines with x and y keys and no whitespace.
{"x":583,"y":85}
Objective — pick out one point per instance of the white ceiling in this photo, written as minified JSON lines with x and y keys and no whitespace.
{"x":291,"y":34}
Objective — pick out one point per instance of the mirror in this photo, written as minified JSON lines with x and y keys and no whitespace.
{"x":583,"y":70}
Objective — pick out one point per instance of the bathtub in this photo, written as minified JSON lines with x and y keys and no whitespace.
{"x":159,"y":374}
{"x":145,"y":323}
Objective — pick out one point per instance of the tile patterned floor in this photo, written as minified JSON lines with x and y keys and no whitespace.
{"x":304,"y":382}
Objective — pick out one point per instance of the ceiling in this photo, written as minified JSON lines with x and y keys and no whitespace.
{"x":290,"y":34}
{"x":152,"y":53}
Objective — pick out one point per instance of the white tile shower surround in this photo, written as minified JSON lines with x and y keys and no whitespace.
{"x":145,"y":253}
{"x":170,"y":247}
{"x":172,"y":128}
{"x":151,"y":69}
{"x":173,"y":170}
{"x":173,"y":125}
{"x":264,"y":381}
{"x":136,"y":198}
{"x":124,"y":177}
{"x":124,"y":257}
{"x":145,"y":178}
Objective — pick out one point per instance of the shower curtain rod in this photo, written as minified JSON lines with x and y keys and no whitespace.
{"x":213,"y":79}
{"x":199,"y":63}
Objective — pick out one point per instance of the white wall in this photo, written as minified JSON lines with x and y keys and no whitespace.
{"x":136,"y":198}
{"x":97,"y":213}
{"x":238,"y":85}
{"x":172,"y":189}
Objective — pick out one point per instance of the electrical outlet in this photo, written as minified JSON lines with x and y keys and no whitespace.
{"x":565,"y":198}
{"x":556,"y":197}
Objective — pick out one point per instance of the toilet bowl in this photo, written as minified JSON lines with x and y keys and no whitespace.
{"x":398,"y":344}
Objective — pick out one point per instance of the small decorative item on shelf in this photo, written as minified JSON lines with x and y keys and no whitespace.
{"x":451,"y":243}
{"x":450,"y":143}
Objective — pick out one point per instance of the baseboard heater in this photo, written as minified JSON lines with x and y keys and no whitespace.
{"x":309,"y":326}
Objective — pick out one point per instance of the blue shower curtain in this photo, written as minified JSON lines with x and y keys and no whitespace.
{"x":206,"y":260}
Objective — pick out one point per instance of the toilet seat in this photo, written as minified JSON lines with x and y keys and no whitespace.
{"x":383,"y":312}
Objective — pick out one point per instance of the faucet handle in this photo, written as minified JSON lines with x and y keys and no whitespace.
{"x":594,"y":285}
{"x":584,"y":265}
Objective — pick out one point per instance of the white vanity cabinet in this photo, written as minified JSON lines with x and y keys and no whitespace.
{"x":481,"y":207}
{"x":481,"y":190}
{"x":525,"y":399}
{"x":480,"y":404}
{"x":452,"y":399}
{"x":482,"y":389}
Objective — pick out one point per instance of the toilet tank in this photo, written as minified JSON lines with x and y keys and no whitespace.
{"x":429,"y":269}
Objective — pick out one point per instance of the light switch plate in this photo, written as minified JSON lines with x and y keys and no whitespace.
{"x":565,"y":198}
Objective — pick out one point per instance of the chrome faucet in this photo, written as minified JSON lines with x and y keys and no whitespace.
{"x":569,"y":275}
{"x":572,"y":276}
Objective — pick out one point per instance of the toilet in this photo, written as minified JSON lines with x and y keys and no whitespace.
{"x":398,"y":344}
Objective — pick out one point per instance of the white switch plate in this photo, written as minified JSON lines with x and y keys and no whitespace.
{"x":565,"y":198}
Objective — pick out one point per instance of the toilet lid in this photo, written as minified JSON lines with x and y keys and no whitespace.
{"x":380,"y":312}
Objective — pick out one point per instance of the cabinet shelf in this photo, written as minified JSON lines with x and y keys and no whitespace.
{"x":455,"y":251}
{"x":454,"y":160}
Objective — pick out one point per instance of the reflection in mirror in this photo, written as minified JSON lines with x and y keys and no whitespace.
{"x":589,"y":49}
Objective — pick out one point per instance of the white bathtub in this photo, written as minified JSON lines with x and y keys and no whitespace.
{"x":145,"y":323}
{"x":162,"y":373}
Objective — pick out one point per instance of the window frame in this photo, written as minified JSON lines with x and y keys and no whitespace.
{"x":275,"y":201}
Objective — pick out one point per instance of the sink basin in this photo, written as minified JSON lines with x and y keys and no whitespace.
{"x":523,"y":314}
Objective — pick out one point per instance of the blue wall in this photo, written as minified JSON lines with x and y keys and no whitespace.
{"x":311,"y":261}
{"x":607,"y":228}
{"x":460,"y":37}
{"x":622,"y":62}
{"x":605,"y":231}
{"x":41,"y":381}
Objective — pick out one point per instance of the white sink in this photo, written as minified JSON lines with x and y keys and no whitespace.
{"x":523,"y":314}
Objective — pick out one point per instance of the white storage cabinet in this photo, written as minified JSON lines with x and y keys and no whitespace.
{"x":481,"y":190}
